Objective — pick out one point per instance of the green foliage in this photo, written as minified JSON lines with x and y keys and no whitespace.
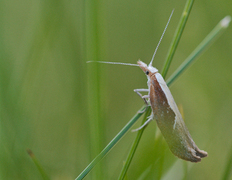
{"x":49,"y":104}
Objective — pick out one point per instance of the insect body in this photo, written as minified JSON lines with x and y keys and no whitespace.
{"x":168,"y":117}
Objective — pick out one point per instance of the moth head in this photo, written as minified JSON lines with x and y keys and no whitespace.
{"x":148,"y":70}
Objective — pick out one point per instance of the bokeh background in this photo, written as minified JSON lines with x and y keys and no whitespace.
{"x":50,"y":96}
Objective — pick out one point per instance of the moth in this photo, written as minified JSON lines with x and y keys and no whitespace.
{"x":166,"y":112}
{"x":168,"y":117}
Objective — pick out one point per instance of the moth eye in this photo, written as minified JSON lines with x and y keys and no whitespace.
{"x":147,"y":72}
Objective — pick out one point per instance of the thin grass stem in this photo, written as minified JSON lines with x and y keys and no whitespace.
{"x":110,"y":145}
{"x":177,"y":36}
{"x":38,"y":165}
{"x":212,"y":36}
{"x":91,"y":44}
{"x":228,"y":169}
{"x":133,"y":148}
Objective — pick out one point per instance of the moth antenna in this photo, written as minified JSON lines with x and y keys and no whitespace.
{"x":104,"y":62}
{"x":150,"y":64}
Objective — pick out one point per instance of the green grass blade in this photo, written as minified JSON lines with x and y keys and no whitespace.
{"x":133,"y":148}
{"x":92,"y":44}
{"x":109,"y":146}
{"x":177,"y":36}
{"x":39,"y":167}
{"x":219,"y":28}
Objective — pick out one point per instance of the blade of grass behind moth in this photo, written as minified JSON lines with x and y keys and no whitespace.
{"x":219,"y":28}
{"x":92,"y":45}
{"x":177,"y":36}
{"x":133,"y":148}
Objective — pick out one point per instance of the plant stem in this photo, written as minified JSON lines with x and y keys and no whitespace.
{"x":92,"y":49}
{"x":219,"y":28}
{"x":110,"y":145}
{"x":39,"y":167}
{"x":133,"y":148}
{"x":228,"y":168}
{"x":177,"y":36}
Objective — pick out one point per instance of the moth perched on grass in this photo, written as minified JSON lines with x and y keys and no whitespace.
{"x":168,"y":117}
{"x":166,"y":113}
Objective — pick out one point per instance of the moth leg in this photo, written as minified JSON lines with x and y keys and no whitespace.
{"x":151,"y":117}
{"x":144,"y":97}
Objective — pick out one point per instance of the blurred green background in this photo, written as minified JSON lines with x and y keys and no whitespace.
{"x":50,"y":97}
